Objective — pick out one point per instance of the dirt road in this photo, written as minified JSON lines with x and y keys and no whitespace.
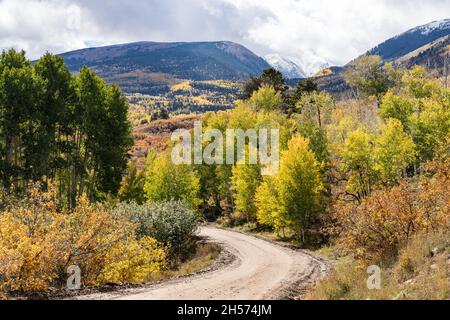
{"x":260,"y":270}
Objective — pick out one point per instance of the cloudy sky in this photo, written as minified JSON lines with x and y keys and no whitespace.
{"x":311,"y":32}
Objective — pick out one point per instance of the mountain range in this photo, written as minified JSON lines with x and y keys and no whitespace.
{"x":412,"y":40}
{"x":154,"y":67}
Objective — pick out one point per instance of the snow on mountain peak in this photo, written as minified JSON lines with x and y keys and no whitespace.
{"x":286,"y":66}
{"x":432,"y":26}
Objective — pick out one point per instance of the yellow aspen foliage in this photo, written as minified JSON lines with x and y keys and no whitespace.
{"x":300,"y":183}
{"x":269,"y":210}
{"x":242,"y":117}
{"x":244,"y":182}
{"x":293,"y":195}
{"x":394,"y":152}
{"x":38,"y":243}
{"x":275,"y":120}
{"x":266,"y":99}
{"x":358,"y":163}
{"x":167,"y":181}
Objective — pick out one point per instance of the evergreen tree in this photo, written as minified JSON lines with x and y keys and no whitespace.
{"x":132,"y":188}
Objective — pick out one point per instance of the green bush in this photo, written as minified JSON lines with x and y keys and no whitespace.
{"x":171,"y":223}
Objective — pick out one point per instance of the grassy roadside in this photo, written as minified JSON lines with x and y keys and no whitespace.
{"x":204,"y":257}
{"x":420,"y":272}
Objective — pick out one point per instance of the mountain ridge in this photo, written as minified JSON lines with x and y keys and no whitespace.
{"x":207,"y":60}
{"x":411,"y":40}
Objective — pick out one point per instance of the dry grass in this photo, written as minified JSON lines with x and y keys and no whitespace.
{"x":421,"y":272}
{"x":204,"y":258}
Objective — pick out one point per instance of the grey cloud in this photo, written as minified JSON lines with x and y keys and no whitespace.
{"x":310,"y":32}
{"x":172,"y":20}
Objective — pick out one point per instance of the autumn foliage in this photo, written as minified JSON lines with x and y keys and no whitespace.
{"x":38,"y":243}
{"x":387,"y":219}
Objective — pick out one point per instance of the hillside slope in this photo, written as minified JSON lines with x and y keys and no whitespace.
{"x":194,"y":61}
{"x":432,"y":55}
{"x":411,"y":40}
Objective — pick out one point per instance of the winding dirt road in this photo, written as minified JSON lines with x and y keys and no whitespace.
{"x":261,"y":270}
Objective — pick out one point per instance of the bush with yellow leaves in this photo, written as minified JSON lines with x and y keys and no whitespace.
{"x":38,"y":243}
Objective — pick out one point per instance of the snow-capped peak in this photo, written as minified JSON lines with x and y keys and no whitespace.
{"x":432,"y":26}
{"x":286,"y":66}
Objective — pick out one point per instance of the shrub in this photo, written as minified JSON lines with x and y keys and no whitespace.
{"x":107,"y":250}
{"x":133,"y":261}
{"x":172,"y":223}
{"x":38,"y":243}
{"x":387,"y":219}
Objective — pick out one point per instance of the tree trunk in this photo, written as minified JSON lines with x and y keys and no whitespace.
{"x":9,"y":160}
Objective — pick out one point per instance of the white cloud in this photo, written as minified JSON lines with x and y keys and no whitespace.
{"x":310,"y":32}
{"x":39,"y":26}
{"x":321,"y":31}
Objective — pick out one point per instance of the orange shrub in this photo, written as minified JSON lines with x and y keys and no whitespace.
{"x":374,"y":230}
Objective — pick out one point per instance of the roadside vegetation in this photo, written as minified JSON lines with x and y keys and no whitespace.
{"x":420,"y":272}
